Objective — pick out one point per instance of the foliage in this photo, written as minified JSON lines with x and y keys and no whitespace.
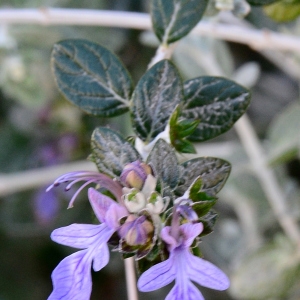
{"x":186,"y":105}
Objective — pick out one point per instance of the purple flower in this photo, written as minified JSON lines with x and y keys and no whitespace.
{"x":72,"y":277}
{"x":90,"y":177}
{"x":182,"y":266}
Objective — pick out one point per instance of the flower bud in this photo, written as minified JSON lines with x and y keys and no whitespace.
{"x":134,"y":200}
{"x":136,"y":230}
{"x":155,"y":203}
{"x":135,"y":174}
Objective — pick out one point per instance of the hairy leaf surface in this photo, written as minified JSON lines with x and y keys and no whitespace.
{"x":111,"y":152}
{"x":154,"y":99}
{"x":91,"y":77}
{"x":212,"y":171}
{"x":173,"y":19}
{"x":217,"y":103}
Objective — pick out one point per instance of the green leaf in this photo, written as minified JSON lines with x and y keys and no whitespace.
{"x":164,"y":162}
{"x":203,"y":207}
{"x":213,"y":172}
{"x":154,"y":99}
{"x":208,"y":222}
{"x":261,"y":2}
{"x":173,"y":19}
{"x":217,"y":103}
{"x":111,"y":152}
{"x":284,"y":135}
{"x":196,"y":192}
{"x":91,"y":77}
{"x":283,"y":11}
{"x":179,"y":130}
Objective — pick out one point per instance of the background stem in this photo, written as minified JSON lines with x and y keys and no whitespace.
{"x":132,"y":293}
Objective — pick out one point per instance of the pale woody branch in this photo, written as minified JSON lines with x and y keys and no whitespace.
{"x":23,"y":180}
{"x":260,"y":39}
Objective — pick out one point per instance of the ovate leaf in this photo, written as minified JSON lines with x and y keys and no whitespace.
{"x":164,"y":162}
{"x":154,"y":99}
{"x":212,"y":171}
{"x":91,"y":77}
{"x":173,"y":19}
{"x":111,"y":152}
{"x":217,"y":103}
{"x":283,"y":11}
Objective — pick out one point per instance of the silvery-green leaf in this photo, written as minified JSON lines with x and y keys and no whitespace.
{"x":154,"y":99}
{"x":91,"y":77}
{"x":208,"y":222}
{"x":163,"y":160}
{"x":212,"y":171}
{"x":284,"y":135}
{"x":216,"y":102}
{"x":111,"y":152}
{"x":173,"y":19}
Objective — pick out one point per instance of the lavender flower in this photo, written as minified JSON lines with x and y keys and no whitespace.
{"x":72,"y":277}
{"x":182,"y":266}
{"x":90,"y":177}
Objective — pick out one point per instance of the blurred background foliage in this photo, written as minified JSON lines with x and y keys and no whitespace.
{"x":38,"y":128}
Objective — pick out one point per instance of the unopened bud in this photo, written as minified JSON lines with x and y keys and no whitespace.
{"x":155,"y":203}
{"x":134,"y":200}
{"x":134,"y":174}
{"x":137,"y":231}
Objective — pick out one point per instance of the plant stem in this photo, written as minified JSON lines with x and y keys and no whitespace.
{"x":132,"y":293}
{"x":267,"y":178}
{"x":16,"y":182}
{"x":258,"y":39}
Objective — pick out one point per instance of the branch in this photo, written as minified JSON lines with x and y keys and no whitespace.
{"x":259,"y":39}
{"x":16,"y":182}
{"x":267,"y":178}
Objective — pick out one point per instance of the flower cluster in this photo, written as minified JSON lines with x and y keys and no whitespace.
{"x":143,"y":219}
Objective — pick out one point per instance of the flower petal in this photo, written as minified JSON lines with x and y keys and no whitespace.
{"x":205,"y":273}
{"x":81,"y":235}
{"x":72,"y":277}
{"x":157,"y":276}
{"x":190,"y":232}
{"x":185,"y":291}
{"x":100,"y":203}
{"x":113,"y":215}
{"x":101,"y":258}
